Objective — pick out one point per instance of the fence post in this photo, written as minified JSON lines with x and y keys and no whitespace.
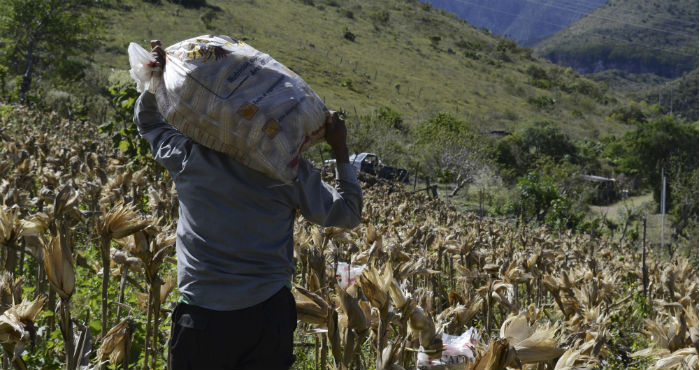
{"x":415,"y":177}
{"x":644,"y":257}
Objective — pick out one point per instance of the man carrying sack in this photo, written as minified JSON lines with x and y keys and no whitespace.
{"x":235,"y":243}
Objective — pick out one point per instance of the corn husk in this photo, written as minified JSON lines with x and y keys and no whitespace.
{"x":59,"y":266}
{"x":311,"y":308}
{"x":121,"y":221}
{"x":114,"y":343}
{"x":14,"y":321}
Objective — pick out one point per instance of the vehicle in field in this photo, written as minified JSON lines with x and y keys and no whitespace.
{"x":371,"y":164}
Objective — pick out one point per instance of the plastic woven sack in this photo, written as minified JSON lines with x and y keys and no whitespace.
{"x":347,"y":274}
{"x":457,"y":352}
{"x":232,"y":98}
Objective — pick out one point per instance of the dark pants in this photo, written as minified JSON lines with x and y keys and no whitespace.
{"x":258,"y":337}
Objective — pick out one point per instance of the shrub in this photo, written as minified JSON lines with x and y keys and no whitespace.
{"x":544,"y":138}
{"x":381,"y":17}
{"x":541,"y":102}
{"x":188,"y":3}
{"x":348,"y":35}
{"x":471,"y":54}
{"x":537,"y":73}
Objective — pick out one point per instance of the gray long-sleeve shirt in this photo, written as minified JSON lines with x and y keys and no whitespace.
{"x":235,"y":228}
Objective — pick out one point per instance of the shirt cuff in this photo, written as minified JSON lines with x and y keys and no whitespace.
{"x":345,"y":172}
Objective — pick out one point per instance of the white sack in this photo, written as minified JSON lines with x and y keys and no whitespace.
{"x":232,"y":98}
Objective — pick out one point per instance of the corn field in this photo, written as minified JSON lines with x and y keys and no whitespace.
{"x":88,"y":276}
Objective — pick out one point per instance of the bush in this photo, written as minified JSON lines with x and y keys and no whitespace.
{"x":381,"y":17}
{"x":537,"y":193}
{"x":348,"y":35}
{"x":537,"y":73}
{"x":547,"y":139}
{"x":541,"y":102}
{"x":471,"y":54}
{"x":630,"y":115}
{"x":190,"y":3}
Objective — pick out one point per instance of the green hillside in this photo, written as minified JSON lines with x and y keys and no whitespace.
{"x":361,"y":55}
{"x":648,"y":36}
{"x":421,"y":88}
{"x":678,"y":96}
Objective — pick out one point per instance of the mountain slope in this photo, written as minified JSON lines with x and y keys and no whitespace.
{"x":636,"y":36}
{"x":525,"y":21}
{"x":361,"y":55}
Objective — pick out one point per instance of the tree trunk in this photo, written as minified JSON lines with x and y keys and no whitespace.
{"x":460,"y":185}
{"x":27,"y":77}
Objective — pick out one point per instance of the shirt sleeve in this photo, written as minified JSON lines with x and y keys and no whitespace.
{"x":169,"y":146}
{"x":326,"y":205}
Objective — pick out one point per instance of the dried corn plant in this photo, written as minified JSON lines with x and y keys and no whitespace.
{"x":119,"y":222}
{"x":538,"y":298}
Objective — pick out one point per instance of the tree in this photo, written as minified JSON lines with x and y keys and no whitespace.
{"x":43,"y":35}
{"x":544,"y":138}
{"x":664,"y":142}
{"x":452,"y":149}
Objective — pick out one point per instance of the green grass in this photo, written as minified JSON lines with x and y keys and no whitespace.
{"x":404,"y":57}
{"x":615,"y":211}
{"x":648,"y":207}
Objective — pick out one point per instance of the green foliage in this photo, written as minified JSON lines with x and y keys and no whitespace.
{"x":46,"y":36}
{"x":348,"y":35}
{"x":541,"y":102}
{"x":450,"y":148}
{"x":537,"y":194}
{"x":381,"y":132}
{"x":190,"y":3}
{"x":392,"y":118}
{"x":442,"y":128}
{"x":473,"y":45}
{"x":666,"y":143}
{"x":663,"y":142}
{"x":380,"y":17}
{"x":127,"y":137}
{"x":207,"y":18}
{"x":625,"y":335}
{"x":471,"y":54}
{"x":505,"y":45}
{"x":508,"y":154}
{"x":630,"y":115}
{"x":537,"y":73}
{"x":544,"y":138}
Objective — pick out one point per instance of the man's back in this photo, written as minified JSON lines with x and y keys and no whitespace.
{"x":235,"y":227}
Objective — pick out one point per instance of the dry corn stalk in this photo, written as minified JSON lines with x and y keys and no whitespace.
{"x":531,"y":344}
{"x":119,"y":222}
{"x":59,"y":266}
{"x":116,"y":343}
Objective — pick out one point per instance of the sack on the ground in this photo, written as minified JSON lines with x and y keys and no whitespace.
{"x":232,"y":98}
{"x":347,"y":274}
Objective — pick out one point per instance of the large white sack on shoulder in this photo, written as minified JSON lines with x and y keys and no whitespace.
{"x":232,"y":98}
{"x":141,"y":69}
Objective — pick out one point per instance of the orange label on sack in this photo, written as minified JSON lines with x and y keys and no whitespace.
{"x":271,"y":128}
{"x":248,"y":110}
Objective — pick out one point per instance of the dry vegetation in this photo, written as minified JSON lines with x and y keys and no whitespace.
{"x":87,"y":236}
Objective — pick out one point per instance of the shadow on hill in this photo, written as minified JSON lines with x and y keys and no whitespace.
{"x":195,"y":4}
